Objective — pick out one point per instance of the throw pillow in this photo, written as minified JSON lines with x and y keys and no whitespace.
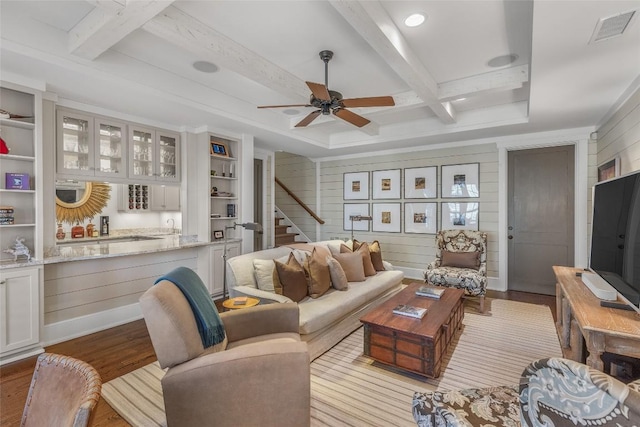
{"x":375,"y":253}
{"x":318,"y":272}
{"x":338,"y":277}
{"x":263,"y":270}
{"x":363,"y":250}
{"x":293,"y":279}
{"x":351,"y":263}
{"x":461,"y":259}
{"x":277,"y":286}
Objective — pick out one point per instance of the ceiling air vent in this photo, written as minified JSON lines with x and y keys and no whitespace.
{"x":612,"y":26}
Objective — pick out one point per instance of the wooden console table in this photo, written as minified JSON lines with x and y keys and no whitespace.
{"x":581,"y":320}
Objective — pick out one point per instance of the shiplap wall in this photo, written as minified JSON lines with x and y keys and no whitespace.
{"x":412,"y":250}
{"x":82,"y":288}
{"x":299,"y":175}
{"x":269,"y":208}
{"x":620,"y":136}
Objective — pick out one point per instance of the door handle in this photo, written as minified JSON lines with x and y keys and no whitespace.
{"x":510,"y":237}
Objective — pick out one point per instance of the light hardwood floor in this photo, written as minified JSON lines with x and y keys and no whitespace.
{"x":117,"y":351}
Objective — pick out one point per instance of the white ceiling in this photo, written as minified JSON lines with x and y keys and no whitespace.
{"x":135,"y":58}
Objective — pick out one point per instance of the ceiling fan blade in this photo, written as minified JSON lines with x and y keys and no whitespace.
{"x":374,"y":101}
{"x":351,"y":117}
{"x":311,"y":117}
{"x":283,"y":106}
{"x":320,"y":91}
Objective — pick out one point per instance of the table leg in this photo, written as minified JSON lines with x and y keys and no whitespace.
{"x":595,"y":346}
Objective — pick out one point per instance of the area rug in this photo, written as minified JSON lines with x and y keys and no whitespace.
{"x":349,"y":389}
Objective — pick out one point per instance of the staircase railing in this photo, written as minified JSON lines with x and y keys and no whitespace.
{"x":300,"y":202}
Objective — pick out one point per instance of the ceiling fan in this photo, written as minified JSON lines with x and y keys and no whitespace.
{"x":328,"y":101}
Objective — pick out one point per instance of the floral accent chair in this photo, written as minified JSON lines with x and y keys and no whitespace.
{"x":461,"y":262}
{"x":563,"y":392}
{"x":553,"y":392}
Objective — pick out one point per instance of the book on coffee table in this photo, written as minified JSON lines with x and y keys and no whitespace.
{"x":410,"y":311}
{"x":240,"y":300}
{"x":429,"y":291}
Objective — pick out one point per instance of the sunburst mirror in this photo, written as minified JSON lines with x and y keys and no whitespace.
{"x":76,"y":201}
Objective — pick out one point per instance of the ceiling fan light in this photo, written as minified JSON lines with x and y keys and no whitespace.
{"x":414,"y":20}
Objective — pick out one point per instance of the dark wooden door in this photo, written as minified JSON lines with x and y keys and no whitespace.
{"x":541,"y":216}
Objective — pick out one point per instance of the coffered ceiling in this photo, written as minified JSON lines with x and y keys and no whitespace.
{"x":136,"y":57}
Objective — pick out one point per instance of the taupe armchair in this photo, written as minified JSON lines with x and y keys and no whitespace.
{"x":258,"y":376}
{"x":63,"y":392}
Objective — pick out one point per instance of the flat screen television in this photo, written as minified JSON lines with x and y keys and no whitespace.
{"x":615,"y":235}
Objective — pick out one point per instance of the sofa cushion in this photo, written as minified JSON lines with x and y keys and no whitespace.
{"x":241,"y":271}
{"x":338,"y":277}
{"x":460,"y":259}
{"x":351,"y":264}
{"x":263,"y":269}
{"x":375,"y":255}
{"x":363,"y":250}
{"x":293,"y":279}
{"x":317,"y":269}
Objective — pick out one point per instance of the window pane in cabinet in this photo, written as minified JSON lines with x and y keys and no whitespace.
{"x":167,"y":156}
{"x":110,"y":146}
{"x":76,"y":143}
{"x":142,"y":153}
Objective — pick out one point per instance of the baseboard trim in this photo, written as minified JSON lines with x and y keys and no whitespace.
{"x":493,"y":283}
{"x":85,"y":325}
{"x":14,"y":357}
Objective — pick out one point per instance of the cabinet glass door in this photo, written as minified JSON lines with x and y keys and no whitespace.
{"x":76,"y":154}
{"x":168,"y":157}
{"x":142,"y":153}
{"x":109,"y":152}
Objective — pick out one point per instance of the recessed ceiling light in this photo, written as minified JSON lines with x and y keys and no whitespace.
{"x":205,"y":66}
{"x":414,"y":20}
{"x":501,"y":61}
{"x":460,"y":99}
{"x":290,"y":112}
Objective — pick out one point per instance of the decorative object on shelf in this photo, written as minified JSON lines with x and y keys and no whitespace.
{"x":358,"y":218}
{"x":104,"y":225}
{"x":386,"y":217}
{"x":4,"y":114}
{"x":213,"y":173}
{"x":356,"y":186}
{"x":421,"y":183}
{"x":421,"y":218}
{"x":218,"y":234}
{"x":6,"y":215}
{"x":19,"y":249}
{"x":386,"y":184}
{"x":89,"y":202}
{"x":355,"y":209}
{"x":77,"y":231}
{"x":231,"y":210}
{"x":460,"y":216}
{"x":461,"y":180}
{"x":219,"y":149}
{"x":253,"y":226}
{"x":60,"y":234}
{"x":16,"y":181}
{"x":90,"y":228}
{"x":4,"y":149}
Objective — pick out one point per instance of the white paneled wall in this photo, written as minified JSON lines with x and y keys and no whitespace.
{"x":412,"y":251}
{"x":620,"y":136}
{"x":299,"y":175}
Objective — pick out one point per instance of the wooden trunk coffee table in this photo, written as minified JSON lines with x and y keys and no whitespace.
{"x":416,"y":345}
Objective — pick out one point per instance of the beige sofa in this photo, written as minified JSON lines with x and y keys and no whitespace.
{"x":324,"y":321}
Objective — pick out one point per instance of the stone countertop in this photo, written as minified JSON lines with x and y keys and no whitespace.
{"x":107,"y":249}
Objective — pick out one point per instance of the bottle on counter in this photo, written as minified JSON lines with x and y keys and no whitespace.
{"x":90,"y":229}
{"x":77,"y":231}
{"x":60,"y":234}
{"x":104,"y":225}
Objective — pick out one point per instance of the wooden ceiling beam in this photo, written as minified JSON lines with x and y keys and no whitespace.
{"x":495,"y":81}
{"x":109,"y":22}
{"x":375,"y":26}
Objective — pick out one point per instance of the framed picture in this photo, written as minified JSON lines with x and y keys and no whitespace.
{"x":218,"y":148}
{"x":460,"y":215}
{"x":355,"y":209}
{"x":386,"y":217}
{"x":461,"y":180}
{"x":356,"y":186}
{"x":609,"y":169}
{"x":218,"y":234}
{"x":421,"y":218}
{"x":421,"y":183}
{"x":386,"y":184}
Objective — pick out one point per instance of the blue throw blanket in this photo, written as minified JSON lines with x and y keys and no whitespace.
{"x":204,"y":310}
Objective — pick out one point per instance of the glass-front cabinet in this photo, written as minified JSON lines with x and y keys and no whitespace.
{"x":90,"y":146}
{"x":154,"y":155}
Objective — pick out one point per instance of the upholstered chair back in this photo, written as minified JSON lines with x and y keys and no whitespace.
{"x":461,"y":241}
{"x":171,"y":324}
{"x":63,"y":392}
